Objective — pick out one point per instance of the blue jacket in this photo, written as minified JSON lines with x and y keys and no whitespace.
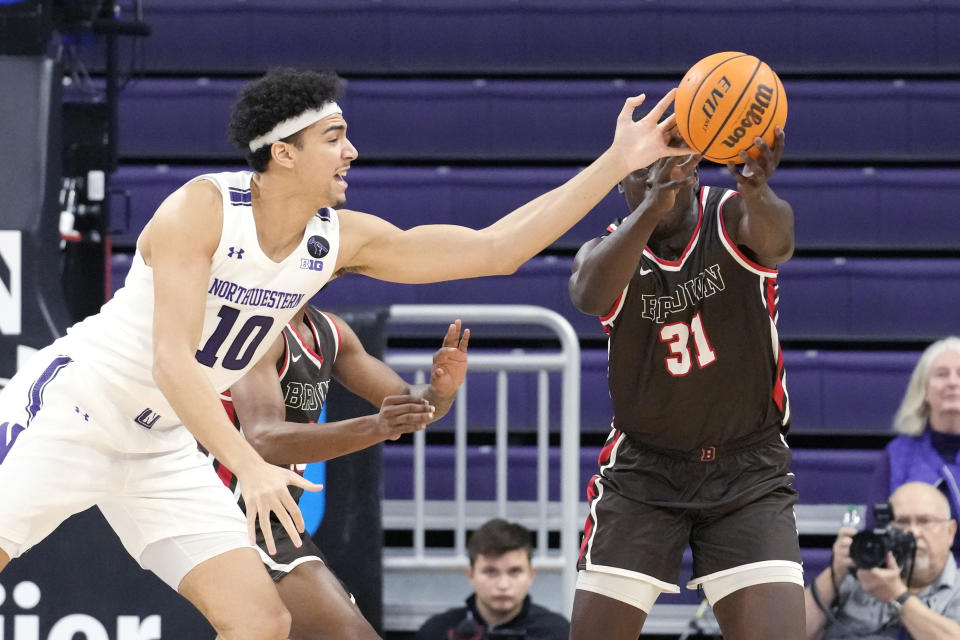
{"x":916,"y":459}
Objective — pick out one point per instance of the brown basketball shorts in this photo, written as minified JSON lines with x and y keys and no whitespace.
{"x":731,"y":505}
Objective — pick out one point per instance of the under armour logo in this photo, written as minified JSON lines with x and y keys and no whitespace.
{"x":80,"y":412}
{"x":147,"y":418}
{"x":235,"y":252}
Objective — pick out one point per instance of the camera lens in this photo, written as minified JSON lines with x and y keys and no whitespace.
{"x":869,"y":550}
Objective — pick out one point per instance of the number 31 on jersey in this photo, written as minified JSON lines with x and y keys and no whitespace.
{"x":677,"y":337}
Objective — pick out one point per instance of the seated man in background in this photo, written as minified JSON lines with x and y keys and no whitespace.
{"x":846,"y":602}
{"x":501,"y":574}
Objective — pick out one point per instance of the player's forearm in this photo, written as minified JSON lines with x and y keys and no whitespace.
{"x":526,"y":231}
{"x":602,"y":274}
{"x":922,"y":622}
{"x":441,"y":404}
{"x":195,"y":401}
{"x":286,"y":443}
{"x":816,"y":617}
{"x":770,"y":219}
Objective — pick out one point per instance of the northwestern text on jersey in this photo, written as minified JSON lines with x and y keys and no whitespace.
{"x":256,"y":297}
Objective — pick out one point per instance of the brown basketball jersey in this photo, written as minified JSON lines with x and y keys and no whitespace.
{"x":694,"y":356}
{"x":305,"y":376}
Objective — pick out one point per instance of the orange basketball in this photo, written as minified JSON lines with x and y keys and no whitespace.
{"x":725,"y":101}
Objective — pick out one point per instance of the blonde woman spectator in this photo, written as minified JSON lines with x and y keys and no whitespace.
{"x":928,"y":421}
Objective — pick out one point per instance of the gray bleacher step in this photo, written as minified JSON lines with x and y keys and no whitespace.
{"x":812,"y":519}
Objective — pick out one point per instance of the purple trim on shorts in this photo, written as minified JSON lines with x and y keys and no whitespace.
{"x":35,"y":395}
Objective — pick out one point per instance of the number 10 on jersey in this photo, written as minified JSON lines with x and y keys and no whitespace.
{"x":677,"y":337}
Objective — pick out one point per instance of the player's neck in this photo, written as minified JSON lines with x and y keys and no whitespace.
{"x":673,"y":233}
{"x":281,"y":213}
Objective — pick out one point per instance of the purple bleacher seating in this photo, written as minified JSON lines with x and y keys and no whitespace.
{"x":831,"y":476}
{"x":542,"y":119}
{"x":382,"y":36}
{"x":844,"y":208}
{"x":875,"y":297}
{"x":819,"y":297}
{"x":823,"y":476}
{"x":846,"y":391}
{"x":830,"y":392}
{"x":481,"y":472}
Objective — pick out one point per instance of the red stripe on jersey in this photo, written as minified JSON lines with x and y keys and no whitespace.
{"x":588,"y":525}
{"x":771,"y":291}
{"x":733,"y":246}
{"x":317,"y":356}
{"x":336,"y":331}
{"x":608,"y":448}
{"x":778,"y":390}
{"x":593,"y":491}
{"x":226,"y":476}
{"x":613,"y":310}
{"x":228,"y":407}
{"x":286,"y":356}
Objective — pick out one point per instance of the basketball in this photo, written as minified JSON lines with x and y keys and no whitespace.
{"x":725,"y":101}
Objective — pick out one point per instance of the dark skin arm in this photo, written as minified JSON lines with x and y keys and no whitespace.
{"x":757,"y":218}
{"x":603,"y":266}
{"x":404,"y":408}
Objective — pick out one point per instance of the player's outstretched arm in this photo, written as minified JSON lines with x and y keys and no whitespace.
{"x":258,"y":401}
{"x":603,"y":267}
{"x":432,"y":253}
{"x":759,"y":219}
{"x":374,"y":381}
{"x":178,"y":244}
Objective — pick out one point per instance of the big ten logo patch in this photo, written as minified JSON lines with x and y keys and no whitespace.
{"x":26,"y":626}
{"x":10,"y":282}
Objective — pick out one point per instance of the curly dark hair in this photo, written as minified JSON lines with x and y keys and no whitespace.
{"x":281,"y":94}
{"x":497,"y":537}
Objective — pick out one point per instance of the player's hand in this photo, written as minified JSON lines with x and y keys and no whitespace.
{"x":842,"y":562}
{"x":667,"y":176}
{"x":883,"y":583}
{"x":264,"y":489}
{"x":450,"y":362}
{"x":403,"y":414}
{"x":756,"y":171}
{"x":641,"y":143}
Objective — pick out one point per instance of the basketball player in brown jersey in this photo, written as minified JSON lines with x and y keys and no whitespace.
{"x":277,"y":405}
{"x":685,"y":286}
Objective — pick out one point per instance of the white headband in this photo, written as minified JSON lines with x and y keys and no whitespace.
{"x":297,"y":123}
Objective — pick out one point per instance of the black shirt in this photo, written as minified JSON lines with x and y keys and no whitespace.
{"x":532,"y":623}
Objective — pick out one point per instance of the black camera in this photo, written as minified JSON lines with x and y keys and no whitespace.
{"x":870,"y":546}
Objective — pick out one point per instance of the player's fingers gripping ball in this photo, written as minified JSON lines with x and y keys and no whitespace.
{"x":725,"y":101}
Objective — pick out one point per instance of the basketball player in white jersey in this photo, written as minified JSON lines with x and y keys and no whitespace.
{"x":107,"y":415}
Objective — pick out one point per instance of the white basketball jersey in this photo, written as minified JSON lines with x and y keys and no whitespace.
{"x":249,"y":300}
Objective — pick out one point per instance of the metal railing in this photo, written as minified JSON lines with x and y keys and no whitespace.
{"x":542,"y":515}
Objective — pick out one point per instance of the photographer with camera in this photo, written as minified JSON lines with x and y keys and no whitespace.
{"x":897,"y":580}
{"x":501,"y":574}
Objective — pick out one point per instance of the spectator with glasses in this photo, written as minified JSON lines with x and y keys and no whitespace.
{"x":928,"y":421}
{"x":845,"y":602}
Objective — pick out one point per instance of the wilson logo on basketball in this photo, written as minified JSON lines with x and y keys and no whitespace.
{"x":752,"y":116}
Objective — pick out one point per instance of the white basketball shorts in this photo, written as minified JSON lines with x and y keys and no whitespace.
{"x":60,"y":454}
